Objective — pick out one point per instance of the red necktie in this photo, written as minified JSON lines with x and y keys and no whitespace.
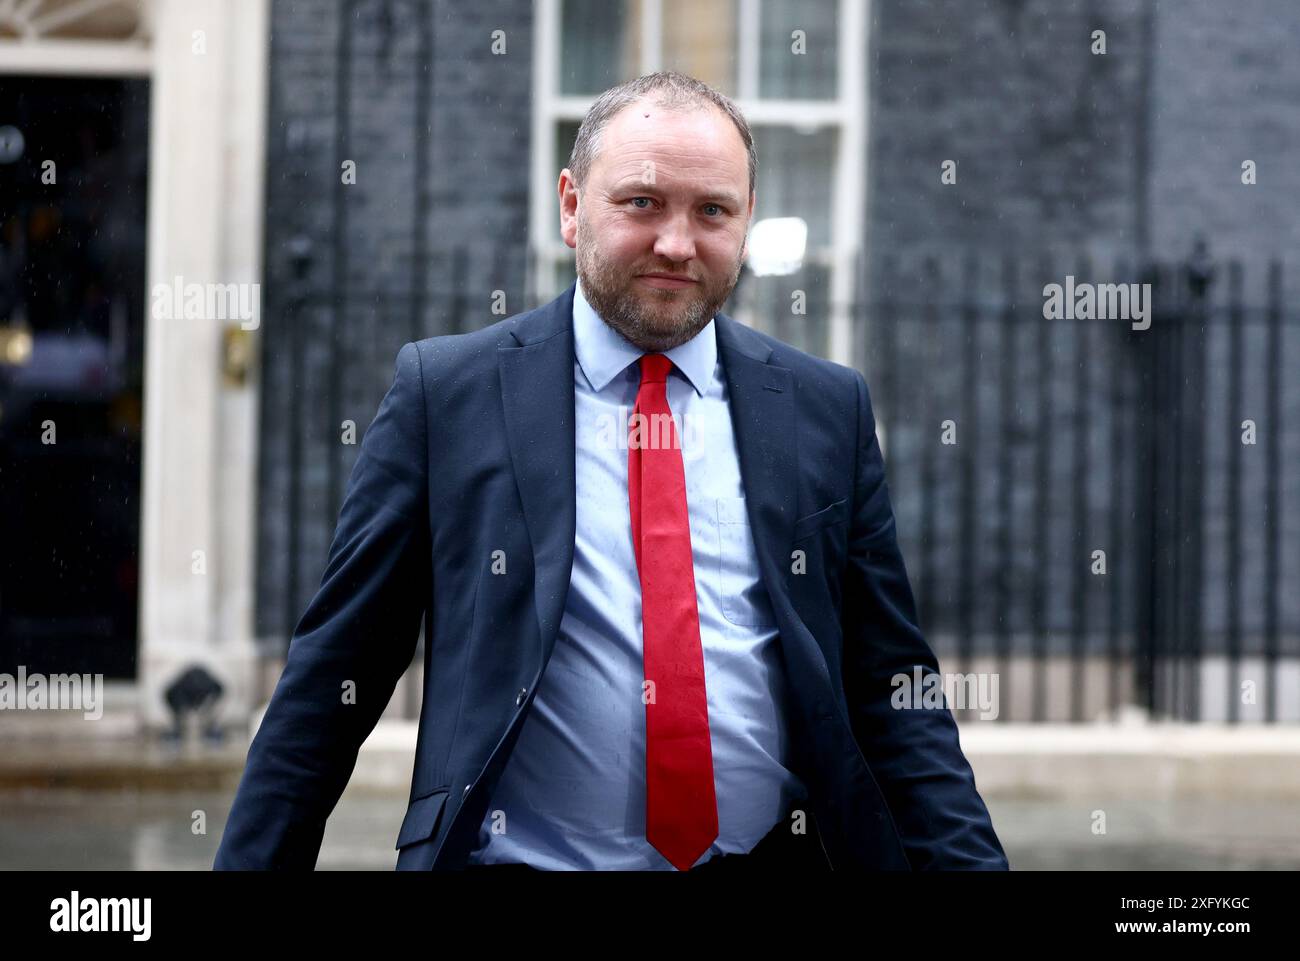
{"x":681,"y":807}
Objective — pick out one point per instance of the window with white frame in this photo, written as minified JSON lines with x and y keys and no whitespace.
{"x":796,"y":69}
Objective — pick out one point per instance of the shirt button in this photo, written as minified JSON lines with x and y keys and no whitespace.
{"x":519,"y":699}
{"x":464,"y":792}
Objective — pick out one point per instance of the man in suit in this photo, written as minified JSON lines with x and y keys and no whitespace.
{"x":655,"y":557}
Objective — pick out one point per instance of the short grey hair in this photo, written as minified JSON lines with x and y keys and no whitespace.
{"x":670,"y":90}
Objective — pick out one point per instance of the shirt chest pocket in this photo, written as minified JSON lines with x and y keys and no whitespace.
{"x":739,"y":578}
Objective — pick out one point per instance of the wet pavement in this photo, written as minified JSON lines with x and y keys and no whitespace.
{"x":62,"y":829}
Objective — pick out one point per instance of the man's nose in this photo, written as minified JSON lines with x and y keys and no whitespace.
{"x":675,"y":241}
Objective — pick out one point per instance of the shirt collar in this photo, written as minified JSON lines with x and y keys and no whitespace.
{"x":604,"y":353}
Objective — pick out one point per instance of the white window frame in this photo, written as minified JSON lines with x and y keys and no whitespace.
{"x":848,"y":113}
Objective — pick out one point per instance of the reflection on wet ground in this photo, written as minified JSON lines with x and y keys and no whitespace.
{"x":154,"y":830}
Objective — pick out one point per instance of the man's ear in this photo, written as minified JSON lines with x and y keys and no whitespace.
{"x":569,"y":200}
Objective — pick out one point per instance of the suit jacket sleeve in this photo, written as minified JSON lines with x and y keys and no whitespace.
{"x":913,"y":753}
{"x":358,"y":633}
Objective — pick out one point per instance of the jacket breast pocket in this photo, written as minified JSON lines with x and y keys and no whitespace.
{"x":422,"y":816}
{"x":819,"y":520}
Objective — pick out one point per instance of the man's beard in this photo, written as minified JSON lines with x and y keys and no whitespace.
{"x":681,"y":313}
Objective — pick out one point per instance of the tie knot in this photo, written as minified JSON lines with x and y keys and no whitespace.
{"x":654,"y":368}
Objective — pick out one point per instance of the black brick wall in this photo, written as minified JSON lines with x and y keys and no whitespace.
{"x":1075,"y":163}
{"x":438,"y":127}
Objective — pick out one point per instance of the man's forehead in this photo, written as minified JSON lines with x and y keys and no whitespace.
{"x":645,"y":139}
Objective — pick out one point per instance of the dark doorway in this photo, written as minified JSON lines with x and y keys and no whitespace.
{"x":72,"y":311}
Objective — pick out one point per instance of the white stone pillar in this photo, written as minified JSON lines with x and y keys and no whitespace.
{"x":206,"y":171}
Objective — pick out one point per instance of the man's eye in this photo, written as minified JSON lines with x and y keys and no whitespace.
{"x":714,"y":206}
{"x":636,"y":199}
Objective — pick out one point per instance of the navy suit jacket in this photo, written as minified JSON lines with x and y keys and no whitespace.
{"x":472,"y":452}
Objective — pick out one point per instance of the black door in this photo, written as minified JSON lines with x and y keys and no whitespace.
{"x":73,"y":156}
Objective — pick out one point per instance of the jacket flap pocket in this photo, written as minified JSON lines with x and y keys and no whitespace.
{"x":831,"y":514}
{"x":422,"y":817}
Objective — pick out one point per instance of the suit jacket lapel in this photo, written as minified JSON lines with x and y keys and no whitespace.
{"x":536,"y":368}
{"x":761,"y":395}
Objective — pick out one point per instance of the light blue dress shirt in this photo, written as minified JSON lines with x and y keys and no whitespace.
{"x":572,"y":794}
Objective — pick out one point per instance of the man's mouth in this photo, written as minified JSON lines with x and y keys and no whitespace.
{"x":664,"y":281}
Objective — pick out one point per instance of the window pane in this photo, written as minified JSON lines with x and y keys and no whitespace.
{"x":700,"y":40}
{"x":784,"y":73}
{"x":600,"y":44}
{"x":795,"y":177}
